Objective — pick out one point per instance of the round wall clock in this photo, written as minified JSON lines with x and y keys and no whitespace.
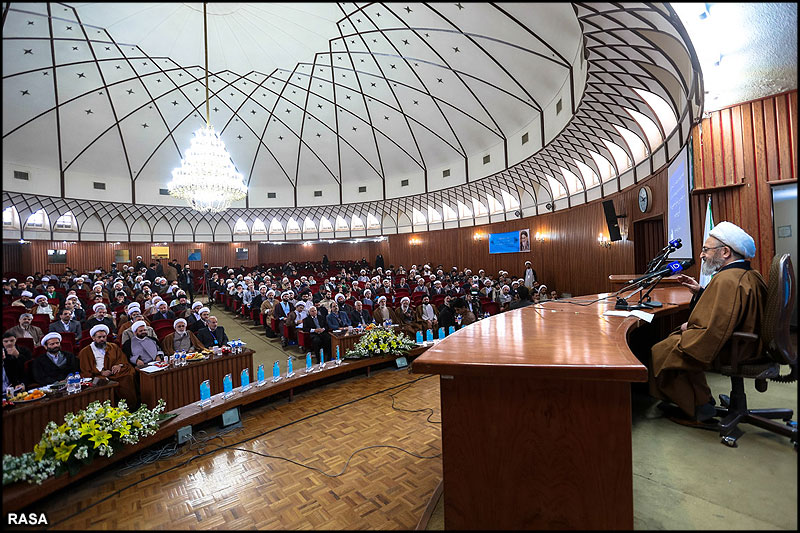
{"x":645,"y":199}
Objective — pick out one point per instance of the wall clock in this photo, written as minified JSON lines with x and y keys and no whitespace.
{"x":645,"y":199}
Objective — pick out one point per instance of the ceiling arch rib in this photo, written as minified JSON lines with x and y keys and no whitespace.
{"x":409,"y":64}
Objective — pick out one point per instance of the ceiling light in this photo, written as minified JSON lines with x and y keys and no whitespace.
{"x":207,"y":178}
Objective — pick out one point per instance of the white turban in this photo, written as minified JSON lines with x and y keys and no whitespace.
{"x":136,"y":325}
{"x":381,"y":298}
{"x":160,"y":302}
{"x":97,"y":306}
{"x":405,"y":299}
{"x":98,"y":327}
{"x":270,"y":293}
{"x":487,"y":282}
{"x":300,"y":303}
{"x":290,"y":293}
{"x":12,"y":279}
{"x":336,"y":298}
{"x":196,"y":305}
{"x":40,"y":297}
{"x":49,"y":336}
{"x":71,"y":297}
{"x":734,"y":237}
{"x":203,"y":310}
{"x":175,"y":324}
{"x":27,"y":293}
{"x":134,"y":305}
{"x":96,"y":283}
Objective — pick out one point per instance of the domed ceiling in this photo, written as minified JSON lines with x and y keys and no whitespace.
{"x":355,"y":118}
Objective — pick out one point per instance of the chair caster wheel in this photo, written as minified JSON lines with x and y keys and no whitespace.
{"x":730,"y":442}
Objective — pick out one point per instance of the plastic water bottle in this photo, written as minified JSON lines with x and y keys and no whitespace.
{"x":73,"y":383}
{"x":238,"y":345}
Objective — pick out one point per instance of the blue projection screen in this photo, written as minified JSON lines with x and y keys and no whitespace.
{"x":678,"y":225}
{"x":510,"y":242}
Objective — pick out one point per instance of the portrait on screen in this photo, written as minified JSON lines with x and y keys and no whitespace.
{"x":195,"y":255}
{"x":242,"y":254}
{"x":524,"y":241}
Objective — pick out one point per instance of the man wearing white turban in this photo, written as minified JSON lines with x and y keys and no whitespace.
{"x":25,"y":299}
{"x":142,"y":347}
{"x":100,"y":316}
{"x":182,"y":340}
{"x":106,"y":359}
{"x":732,"y":301}
{"x":43,"y":307}
{"x":55,"y":365}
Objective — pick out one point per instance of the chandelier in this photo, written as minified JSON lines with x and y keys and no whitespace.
{"x":207,"y":178}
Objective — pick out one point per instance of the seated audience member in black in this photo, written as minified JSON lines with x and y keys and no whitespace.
{"x":55,"y":365}
{"x":14,"y":359}
{"x":315,"y":327}
{"x":360,"y":316}
{"x":524,"y":298}
{"x":212,"y":335}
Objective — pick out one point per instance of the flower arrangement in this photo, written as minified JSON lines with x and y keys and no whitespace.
{"x":380,"y":341}
{"x":99,"y":429}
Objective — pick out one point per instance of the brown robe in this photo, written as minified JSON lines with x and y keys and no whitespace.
{"x":125,"y":377}
{"x":168,"y":343}
{"x":732,"y":301}
{"x":126,"y":325}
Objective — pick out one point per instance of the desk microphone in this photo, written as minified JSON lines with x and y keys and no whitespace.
{"x":671,"y":268}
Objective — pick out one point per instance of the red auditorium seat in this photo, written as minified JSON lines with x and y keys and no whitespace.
{"x":26,"y":343}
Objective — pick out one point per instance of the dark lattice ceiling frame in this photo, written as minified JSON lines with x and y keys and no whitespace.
{"x":621,"y":53}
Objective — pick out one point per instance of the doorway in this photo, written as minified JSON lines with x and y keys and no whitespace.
{"x":648,"y":241}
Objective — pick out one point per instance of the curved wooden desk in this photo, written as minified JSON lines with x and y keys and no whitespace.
{"x":536,"y":416}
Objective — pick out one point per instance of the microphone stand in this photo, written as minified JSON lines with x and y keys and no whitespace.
{"x":645,"y":301}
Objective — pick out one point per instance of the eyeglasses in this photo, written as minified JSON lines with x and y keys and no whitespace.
{"x":704,"y":249}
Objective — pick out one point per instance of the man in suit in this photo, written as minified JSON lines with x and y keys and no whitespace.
{"x":26,"y":330}
{"x":213,"y":334}
{"x":315,"y":326}
{"x":186,"y":281}
{"x":360,"y":316}
{"x":55,"y":365}
{"x":66,"y":324}
{"x":337,"y":319}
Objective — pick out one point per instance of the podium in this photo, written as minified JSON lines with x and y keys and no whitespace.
{"x":536,"y":416}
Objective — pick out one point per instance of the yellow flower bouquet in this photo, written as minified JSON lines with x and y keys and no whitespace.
{"x":380,"y":341}
{"x":99,"y":429}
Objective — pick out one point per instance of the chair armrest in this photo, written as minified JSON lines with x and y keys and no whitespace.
{"x":741,"y":344}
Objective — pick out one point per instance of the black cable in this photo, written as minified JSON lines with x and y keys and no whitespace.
{"x":229,"y":446}
{"x":413,"y":410}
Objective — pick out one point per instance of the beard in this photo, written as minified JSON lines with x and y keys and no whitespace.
{"x":55,"y":350}
{"x":101,"y":345}
{"x":711,"y":266}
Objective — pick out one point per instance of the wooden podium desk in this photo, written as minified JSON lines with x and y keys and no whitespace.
{"x":536,"y":416}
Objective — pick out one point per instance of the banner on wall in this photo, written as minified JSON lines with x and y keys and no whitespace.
{"x":159,"y":252}
{"x":195,"y":255}
{"x":122,"y":256}
{"x":242,"y":254}
{"x":510,"y":242}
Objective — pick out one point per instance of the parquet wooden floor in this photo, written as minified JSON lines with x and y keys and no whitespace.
{"x":382,"y":488}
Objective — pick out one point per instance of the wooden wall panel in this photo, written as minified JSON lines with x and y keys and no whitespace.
{"x":764,"y":134}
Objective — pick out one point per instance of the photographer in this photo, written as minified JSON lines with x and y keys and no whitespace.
{"x":474,"y":302}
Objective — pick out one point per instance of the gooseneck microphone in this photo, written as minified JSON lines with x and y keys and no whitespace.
{"x":670,"y":269}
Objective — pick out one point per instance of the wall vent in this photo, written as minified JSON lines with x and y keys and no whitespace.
{"x":20,"y":175}
{"x":525,"y":138}
{"x":486,"y":159}
{"x":317,"y":193}
{"x":558,"y":106}
{"x":271,"y":195}
{"x":362,"y":189}
{"x":446,"y":173}
{"x":99,"y":185}
{"x":163,"y":192}
{"x":404,"y":183}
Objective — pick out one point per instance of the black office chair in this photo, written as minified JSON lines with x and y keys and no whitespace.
{"x":777,"y":351}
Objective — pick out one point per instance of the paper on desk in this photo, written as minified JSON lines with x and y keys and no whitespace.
{"x":152,"y":368}
{"x":647,"y":317}
{"x":617,"y":313}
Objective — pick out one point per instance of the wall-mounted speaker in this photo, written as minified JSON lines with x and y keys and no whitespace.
{"x":611,"y":221}
{"x":549,"y":207}
{"x":518,"y":213}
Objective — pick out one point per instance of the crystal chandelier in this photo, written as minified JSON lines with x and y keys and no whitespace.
{"x":207,"y":178}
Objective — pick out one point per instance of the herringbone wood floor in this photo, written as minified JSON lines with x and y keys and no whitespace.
{"x":382,"y":488}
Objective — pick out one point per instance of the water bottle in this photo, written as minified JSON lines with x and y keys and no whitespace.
{"x":69,"y":383}
{"x":73,"y":383}
{"x":289,"y":369}
{"x":239,"y":346}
